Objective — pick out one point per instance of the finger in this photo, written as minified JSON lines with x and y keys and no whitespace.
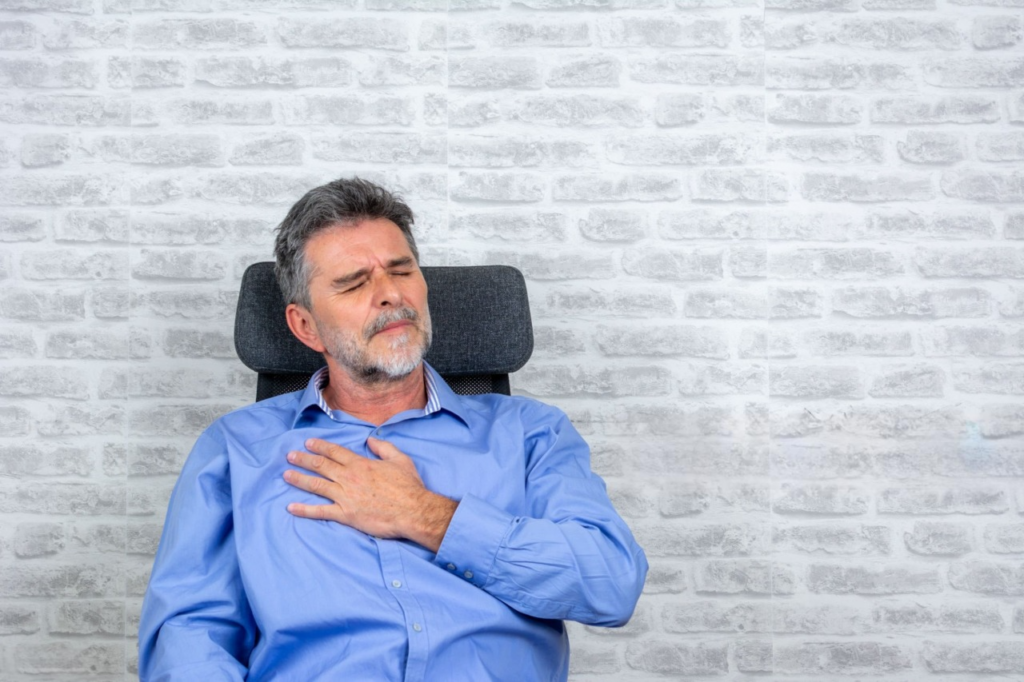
{"x":332,"y":450}
{"x":383,"y":449}
{"x":323,"y":512}
{"x":313,"y":484}
{"x":320,"y":465}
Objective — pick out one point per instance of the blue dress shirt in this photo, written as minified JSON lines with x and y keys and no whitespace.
{"x":242,"y":589}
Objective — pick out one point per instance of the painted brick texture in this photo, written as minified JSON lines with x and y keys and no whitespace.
{"x":774,"y":248}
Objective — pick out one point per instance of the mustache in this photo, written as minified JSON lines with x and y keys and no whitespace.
{"x":387,"y":317}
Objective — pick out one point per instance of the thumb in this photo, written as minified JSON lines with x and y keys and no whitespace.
{"x":383,"y":449}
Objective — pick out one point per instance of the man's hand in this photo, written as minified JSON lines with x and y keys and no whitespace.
{"x":384,"y":498}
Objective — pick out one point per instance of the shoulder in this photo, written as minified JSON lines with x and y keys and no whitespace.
{"x":256,"y":421}
{"x":528,"y":411}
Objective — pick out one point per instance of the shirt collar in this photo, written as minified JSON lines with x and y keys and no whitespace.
{"x":440,"y":396}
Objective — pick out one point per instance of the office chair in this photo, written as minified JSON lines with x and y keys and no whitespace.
{"x":480,"y":316}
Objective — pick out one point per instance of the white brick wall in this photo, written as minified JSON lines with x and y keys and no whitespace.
{"x":774,"y":252}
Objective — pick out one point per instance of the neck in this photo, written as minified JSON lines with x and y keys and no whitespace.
{"x":377,"y":402}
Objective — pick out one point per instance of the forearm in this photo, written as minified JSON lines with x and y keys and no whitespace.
{"x":589,"y":571}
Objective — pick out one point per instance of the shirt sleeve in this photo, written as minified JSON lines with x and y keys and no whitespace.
{"x":571,"y":558}
{"x":196,"y":622}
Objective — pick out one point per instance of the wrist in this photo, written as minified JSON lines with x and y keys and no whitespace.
{"x":431,"y":523}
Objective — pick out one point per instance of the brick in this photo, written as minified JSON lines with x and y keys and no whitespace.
{"x":104,"y":225}
{"x":511,"y":226}
{"x":169,"y":264}
{"x":754,"y":656}
{"x":595,"y":71}
{"x":193,"y":343}
{"x":388,"y":148}
{"x":82,"y":344}
{"x":832,"y":500}
{"x":898,"y":34}
{"x":685,"y":340}
{"x":81,"y":421}
{"x":521,"y":73}
{"x":866,"y":188}
{"x":974,"y":657}
{"x":177,"y":150}
{"x":662,"y":32}
{"x":18,"y":619}
{"x":192,"y":34}
{"x":716,"y":380}
{"x":536,"y":33}
{"x":22,"y":227}
{"x":221,"y":111}
{"x":67,"y":190}
{"x":587,"y":658}
{"x":802,"y":73}
{"x":742,"y":576}
{"x":858,"y":343}
{"x":898,"y":4}
{"x":994,"y":32}
{"x":76,"y":34}
{"x":756,"y":343}
{"x":988,"y":577}
{"x":840,"y":658}
{"x":930,"y":148}
{"x":87,"y":617}
{"x":619,"y":301}
{"x":241,"y":72}
{"x":41,"y":305}
{"x":68,"y":6}
{"x":838,"y":263}
{"x":902,"y":618}
{"x":931,"y":538}
{"x":17,"y":35}
{"x":815,"y":109}
{"x":145,"y":72}
{"x":198,"y":228}
{"x":812,"y":5}
{"x":70,"y":657}
{"x":38,"y":539}
{"x":673,"y":658}
{"x":403,"y":70}
{"x":665,"y":579}
{"x":616,"y":187}
{"x":975,"y":72}
{"x":672,"y":110}
{"x":1000,"y":421}
{"x":350,"y":32}
{"x":684,"y":69}
{"x":816,"y":382}
{"x":714,"y":617}
{"x":348,"y":110}
{"x":870,"y":579}
{"x":702,"y":540}
{"x":178,"y":419}
{"x":889,"y":302}
{"x":983,"y":185}
{"x":510,"y":187}
{"x":904,"y":382}
{"x":673,"y":264}
{"x":110,"y":302}
{"x":558,"y":342}
{"x":66,"y":110}
{"x":1004,"y":146}
{"x":830,"y":539}
{"x":253,"y":188}
{"x":582,"y":110}
{"x":922,"y":110}
{"x":973,"y":341}
{"x":710,"y":150}
{"x":36,"y":380}
{"x":748,"y":185}
{"x":827,"y":148}
{"x":34,"y":72}
{"x":915,"y":224}
{"x":16,"y":343}
{"x":38,"y":151}
{"x":579,"y":381}
{"x":782,"y":35}
{"x":175,"y":383}
{"x":970,"y":262}
{"x":1004,"y":538}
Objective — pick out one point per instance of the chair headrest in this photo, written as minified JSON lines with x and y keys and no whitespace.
{"x":480,"y":315}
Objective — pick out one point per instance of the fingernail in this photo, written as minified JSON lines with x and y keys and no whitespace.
{"x":291,"y":508}
{"x":291,"y":456}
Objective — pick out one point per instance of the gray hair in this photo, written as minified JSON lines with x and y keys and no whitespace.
{"x":342,"y":202}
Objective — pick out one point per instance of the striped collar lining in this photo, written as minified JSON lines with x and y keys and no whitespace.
{"x":320,"y":379}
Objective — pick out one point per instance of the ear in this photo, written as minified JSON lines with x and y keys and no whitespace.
{"x":301,"y":322}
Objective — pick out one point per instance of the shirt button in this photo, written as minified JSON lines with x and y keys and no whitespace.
{"x":468,"y":574}
{"x":417,"y":627}
{"x":396,"y":583}
{"x":451,"y":567}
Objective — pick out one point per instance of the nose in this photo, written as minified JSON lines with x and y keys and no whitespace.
{"x":387,"y":292}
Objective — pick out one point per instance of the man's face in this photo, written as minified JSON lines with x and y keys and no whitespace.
{"x":369,"y":300}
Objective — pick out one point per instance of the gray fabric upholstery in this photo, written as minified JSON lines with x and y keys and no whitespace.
{"x":480,"y":314}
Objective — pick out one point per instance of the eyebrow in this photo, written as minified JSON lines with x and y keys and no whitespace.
{"x":345,"y":280}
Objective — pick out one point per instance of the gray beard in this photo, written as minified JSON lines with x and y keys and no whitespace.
{"x":386,"y":368}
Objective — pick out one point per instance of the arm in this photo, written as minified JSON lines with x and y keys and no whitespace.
{"x":572,"y":558}
{"x":196,"y":623}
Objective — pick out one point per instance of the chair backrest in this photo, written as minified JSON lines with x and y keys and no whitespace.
{"x":480,"y":315}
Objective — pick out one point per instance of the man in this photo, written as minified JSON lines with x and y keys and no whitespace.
{"x":377,"y":526}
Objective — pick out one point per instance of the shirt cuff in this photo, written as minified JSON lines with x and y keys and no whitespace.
{"x":473,"y":538}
